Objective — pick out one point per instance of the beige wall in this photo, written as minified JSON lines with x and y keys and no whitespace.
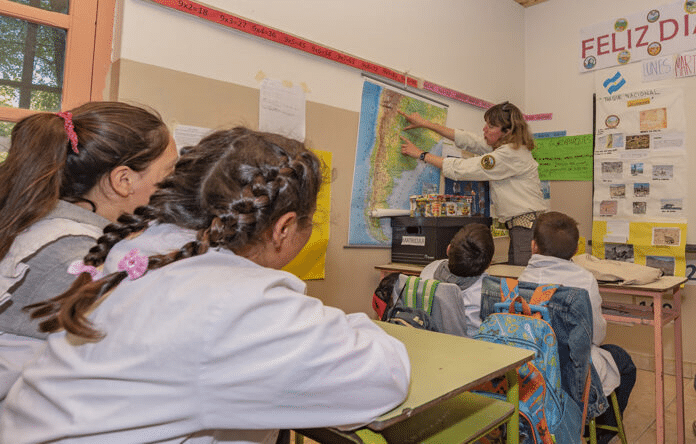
{"x":350,"y":274}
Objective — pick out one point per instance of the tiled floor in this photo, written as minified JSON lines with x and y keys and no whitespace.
{"x":639,"y":417}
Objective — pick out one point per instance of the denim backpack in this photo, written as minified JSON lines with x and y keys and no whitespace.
{"x":547,"y":413}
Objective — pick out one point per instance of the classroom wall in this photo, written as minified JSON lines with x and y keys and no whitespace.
{"x":198,"y":73}
{"x":554,"y":84}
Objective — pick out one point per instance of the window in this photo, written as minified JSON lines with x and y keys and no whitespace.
{"x":54,"y":54}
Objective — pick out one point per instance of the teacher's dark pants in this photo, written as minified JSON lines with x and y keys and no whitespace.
{"x":520,"y":245}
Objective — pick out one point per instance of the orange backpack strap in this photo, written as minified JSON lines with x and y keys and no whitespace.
{"x":543,"y":293}
{"x":509,"y":289}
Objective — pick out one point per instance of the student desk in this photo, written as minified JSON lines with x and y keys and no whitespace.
{"x":657,"y":316}
{"x":438,"y":408}
{"x":395,"y":267}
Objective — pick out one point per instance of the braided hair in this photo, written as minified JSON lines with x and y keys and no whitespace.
{"x":230,"y":188}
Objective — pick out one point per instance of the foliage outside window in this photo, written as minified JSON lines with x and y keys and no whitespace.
{"x":54,"y":55}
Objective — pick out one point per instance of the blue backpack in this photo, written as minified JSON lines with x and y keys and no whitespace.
{"x":547,"y":413}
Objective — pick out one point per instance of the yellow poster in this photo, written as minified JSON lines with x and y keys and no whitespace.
{"x":655,"y":244}
{"x":309,"y":263}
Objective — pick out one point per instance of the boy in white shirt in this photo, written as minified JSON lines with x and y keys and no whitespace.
{"x":469,"y":254}
{"x":554,"y":243}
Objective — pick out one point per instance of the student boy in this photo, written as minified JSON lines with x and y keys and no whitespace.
{"x":469,"y":254}
{"x":554,"y":243}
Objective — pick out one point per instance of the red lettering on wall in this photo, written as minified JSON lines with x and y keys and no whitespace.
{"x":686,"y":25}
{"x":640,"y":43}
{"x":601,"y":44}
{"x":628,"y":37}
{"x":675,"y":29}
{"x":613,"y":44}
{"x":586,"y":47}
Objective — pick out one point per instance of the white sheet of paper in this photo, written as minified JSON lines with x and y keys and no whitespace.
{"x":282,"y":109}
{"x":186,"y":135}
{"x":617,"y":232}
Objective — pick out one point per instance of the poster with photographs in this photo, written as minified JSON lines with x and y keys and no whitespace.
{"x":640,"y":155}
{"x":640,"y":178}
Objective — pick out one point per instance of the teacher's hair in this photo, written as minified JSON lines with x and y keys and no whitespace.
{"x":511,"y":121}
{"x":230,"y":188}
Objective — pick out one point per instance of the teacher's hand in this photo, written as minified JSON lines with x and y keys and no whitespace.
{"x":409,"y":149}
{"x":415,"y":120}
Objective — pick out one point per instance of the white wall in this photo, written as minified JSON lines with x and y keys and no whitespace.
{"x":553,"y":83}
{"x":473,"y":46}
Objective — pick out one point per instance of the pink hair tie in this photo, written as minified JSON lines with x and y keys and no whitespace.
{"x":69,"y":129}
{"x":79,"y":267}
{"x":134,"y":263}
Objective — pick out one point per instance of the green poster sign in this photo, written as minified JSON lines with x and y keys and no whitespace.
{"x":564,"y":158}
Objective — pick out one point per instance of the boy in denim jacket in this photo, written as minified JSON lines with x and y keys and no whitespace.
{"x":554,"y":243}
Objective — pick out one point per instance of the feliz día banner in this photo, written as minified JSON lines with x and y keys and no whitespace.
{"x":659,"y":31}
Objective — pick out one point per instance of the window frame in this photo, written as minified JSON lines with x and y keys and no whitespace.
{"x":89,"y":28}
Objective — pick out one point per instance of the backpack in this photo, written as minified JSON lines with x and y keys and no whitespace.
{"x":547,"y":413}
{"x":411,"y":307}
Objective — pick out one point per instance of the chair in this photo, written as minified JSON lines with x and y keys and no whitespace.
{"x":592,"y":439}
{"x":440,"y":300}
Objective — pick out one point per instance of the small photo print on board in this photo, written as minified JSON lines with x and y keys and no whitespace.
{"x":608,"y":208}
{"x":666,"y":236}
{"x":638,"y":142}
{"x":640,"y":207}
{"x":664,"y":263}
{"x":641,"y":189}
{"x":617,"y":191}
{"x":618,"y":252}
{"x":612,"y":169}
{"x":637,"y":169}
{"x":663,"y":172}
{"x":670,"y":205}
{"x":653,"y":119}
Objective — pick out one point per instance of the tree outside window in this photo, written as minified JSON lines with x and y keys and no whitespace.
{"x":48,"y":50}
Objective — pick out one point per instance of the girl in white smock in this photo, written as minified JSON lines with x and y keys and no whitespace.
{"x":194,"y":334}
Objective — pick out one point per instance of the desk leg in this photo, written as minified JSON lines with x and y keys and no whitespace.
{"x":659,"y":370}
{"x":679,"y":365}
{"x":513,"y":396}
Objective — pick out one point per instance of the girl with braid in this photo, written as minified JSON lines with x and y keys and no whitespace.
{"x":187,"y":330}
{"x":66,"y":177}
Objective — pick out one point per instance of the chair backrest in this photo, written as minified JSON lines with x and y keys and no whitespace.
{"x":422,"y":303}
{"x":441,"y":300}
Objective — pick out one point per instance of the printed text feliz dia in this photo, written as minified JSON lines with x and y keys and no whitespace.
{"x":636,"y":37}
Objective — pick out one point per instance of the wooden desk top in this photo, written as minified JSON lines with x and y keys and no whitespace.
{"x":443,"y":366}
{"x":662,"y":284}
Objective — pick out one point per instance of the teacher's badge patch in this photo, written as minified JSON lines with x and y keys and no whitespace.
{"x":488,"y":162}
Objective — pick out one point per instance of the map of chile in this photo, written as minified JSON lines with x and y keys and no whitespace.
{"x":615,"y":83}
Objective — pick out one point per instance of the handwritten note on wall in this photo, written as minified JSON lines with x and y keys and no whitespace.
{"x":564,"y":158}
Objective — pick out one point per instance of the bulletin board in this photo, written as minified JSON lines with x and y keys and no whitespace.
{"x":640,"y":186}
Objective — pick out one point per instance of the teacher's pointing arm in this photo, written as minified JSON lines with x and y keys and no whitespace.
{"x":411,"y":150}
{"x":415,"y":120}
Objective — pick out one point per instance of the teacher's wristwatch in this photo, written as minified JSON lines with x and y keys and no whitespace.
{"x":422,"y":156}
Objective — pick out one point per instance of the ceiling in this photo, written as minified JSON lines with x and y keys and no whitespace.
{"x":528,"y":3}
